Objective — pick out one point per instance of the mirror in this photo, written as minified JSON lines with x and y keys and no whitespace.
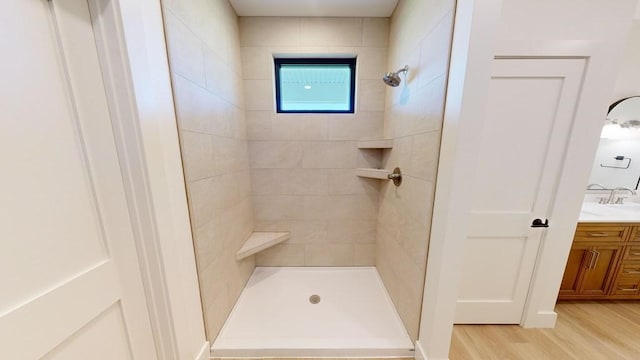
{"x":617,"y":162}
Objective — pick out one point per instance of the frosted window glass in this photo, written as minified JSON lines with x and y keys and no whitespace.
{"x":315,"y":87}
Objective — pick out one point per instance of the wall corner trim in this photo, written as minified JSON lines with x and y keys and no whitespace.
{"x":205,"y":352}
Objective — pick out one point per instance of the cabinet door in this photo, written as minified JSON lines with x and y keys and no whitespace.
{"x":579,"y":259}
{"x":601,"y":270}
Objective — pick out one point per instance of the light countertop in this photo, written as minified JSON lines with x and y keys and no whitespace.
{"x":629,"y":212}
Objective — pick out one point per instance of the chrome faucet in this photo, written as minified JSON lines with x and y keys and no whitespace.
{"x":590,"y":186}
{"x":619,"y":200}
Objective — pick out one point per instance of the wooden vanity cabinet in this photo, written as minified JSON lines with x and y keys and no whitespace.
{"x":604,"y":263}
{"x":627,"y":284}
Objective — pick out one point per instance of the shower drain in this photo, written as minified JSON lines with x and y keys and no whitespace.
{"x":314,"y":299}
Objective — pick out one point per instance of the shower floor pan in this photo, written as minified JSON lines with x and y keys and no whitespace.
{"x":313,"y":312}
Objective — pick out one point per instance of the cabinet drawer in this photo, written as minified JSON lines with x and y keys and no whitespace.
{"x":630,"y":270}
{"x":626,"y":286}
{"x":635,"y":235}
{"x":633,"y":253}
{"x":599,"y":233}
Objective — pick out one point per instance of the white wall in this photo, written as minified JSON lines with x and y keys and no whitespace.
{"x":628,"y":82}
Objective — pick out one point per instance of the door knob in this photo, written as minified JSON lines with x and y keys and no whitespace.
{"x":538,"y":223}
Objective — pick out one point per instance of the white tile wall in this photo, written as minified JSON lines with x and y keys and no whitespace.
{"x":302,"y":166}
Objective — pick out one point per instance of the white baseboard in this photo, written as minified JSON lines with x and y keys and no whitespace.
{"x":421,"y":355}
{"x":205,"y":352}
{"x":543,"y":320}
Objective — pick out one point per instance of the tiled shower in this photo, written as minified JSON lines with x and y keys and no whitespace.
{"x":249,"y":169}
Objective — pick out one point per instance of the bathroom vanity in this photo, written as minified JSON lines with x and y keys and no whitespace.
{"x":604,"y":262}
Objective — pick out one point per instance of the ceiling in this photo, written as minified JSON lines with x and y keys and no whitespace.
{"x":338,"y":8}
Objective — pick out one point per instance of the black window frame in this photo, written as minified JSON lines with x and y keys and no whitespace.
{"x":351,"y":62}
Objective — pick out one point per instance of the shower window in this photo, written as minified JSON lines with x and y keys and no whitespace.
{"x":315,"y":85}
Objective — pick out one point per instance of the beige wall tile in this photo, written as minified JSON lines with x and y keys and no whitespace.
{"x":208,"y":91}
{"x":282,"y":255}
{"x":424,"y":155}
{"x":226,"y":193}
{"x":371,"y":95}
{"x":434,"y":52}
{"x":257,"y":63}
{"x":329,"y":154}
{"x":278,"y":207}
{"x":420,"y":33}
{"x":369,"y":158}
{"x":328,"y":142}
{"x":414,"y":238}
{"x":275,"y":154}
{"x":186,"y":50}
{"x":269,"y":31}
{"x":364,"y":255}
{"x":352,"y":231}
{"x":308,"y":232}
{"x":329,"y":255}
{"x":299,"y":127}
{"x":258,"y":125}
{"x":239,"y":120}
{"x":197,"y":156}
{"x":268,"y":182}
{"x":361,"y":126}
{"x":201,"y":199}
{"x":331,"y":31}
{"x":277,"y":225}
{"x":220,"y":80}
{"x":200,"y":111}
{"x":345,"y":182}
{"x":428,"y":107}
{"x":208,"y":247}
{"x":216,"y":312}
{"x":197,"y":16}
{"x":400,"y":155}
{"x":305,"y":181}
{"x":258,"y":95}
{"x":372,"y":63}
{"x":341,"y":207}
{"x":375,"y":32}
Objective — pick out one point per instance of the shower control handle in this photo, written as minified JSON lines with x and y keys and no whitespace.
{"x":396,"y":176}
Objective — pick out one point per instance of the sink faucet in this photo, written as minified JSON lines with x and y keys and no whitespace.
{"x":590,"y":186}
{"x":612,"y":196}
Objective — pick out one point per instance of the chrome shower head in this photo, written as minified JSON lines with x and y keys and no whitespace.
{"x":393,"y":79}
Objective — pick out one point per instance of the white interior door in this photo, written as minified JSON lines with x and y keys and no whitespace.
{"x":530,"y":114}
{"x":69,"y":276}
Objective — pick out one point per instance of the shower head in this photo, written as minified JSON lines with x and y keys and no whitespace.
{"x":392,"y":78}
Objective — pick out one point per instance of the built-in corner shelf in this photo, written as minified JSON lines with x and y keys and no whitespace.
{"x":259,"y":241}
{"x":375,"y":144}
{"x":381,"y":174}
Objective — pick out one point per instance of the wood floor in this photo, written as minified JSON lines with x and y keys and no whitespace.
{"x":584,"y":331}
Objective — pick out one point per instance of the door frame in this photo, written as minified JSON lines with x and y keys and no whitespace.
{"x":565,"y":208}
{"x":475,"y":45}
{"x":131,"y":49}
